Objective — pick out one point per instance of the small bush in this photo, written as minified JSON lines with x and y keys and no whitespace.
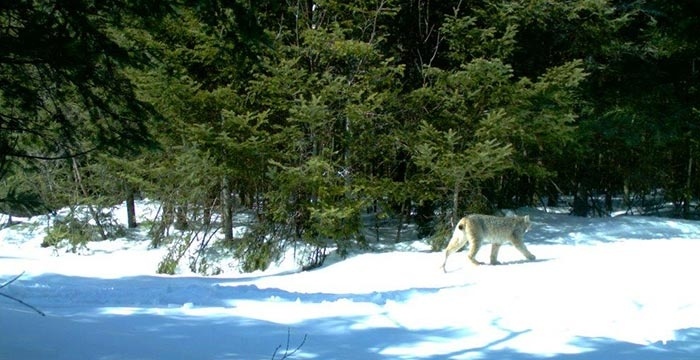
{"x":314,"y":258}
{"x":257,"y":249}
{"x":75,"y":232}
{"x":178,"y":248}
{"x":168,"y":265}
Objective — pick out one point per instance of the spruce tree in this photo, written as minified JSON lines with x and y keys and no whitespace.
{"x":64,"y":93}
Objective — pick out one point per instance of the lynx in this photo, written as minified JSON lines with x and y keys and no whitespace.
{"x":497,"y":230}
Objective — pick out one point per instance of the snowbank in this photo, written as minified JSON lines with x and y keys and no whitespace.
{"x":606,"y":288}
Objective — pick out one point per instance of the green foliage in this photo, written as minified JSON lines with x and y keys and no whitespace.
{"x":178,"y":246}
{"x":441,"y":236}
{"x":258,"y":248}
{"x":18,"y":198}
{"x":442,"y":154}
{"x":168,"y":266}
{"x":76,"y":231}
{"x":63,"y":82}
{"x":306,"y":114}
{"x":468,"y":39}
{"x":317,"y":205}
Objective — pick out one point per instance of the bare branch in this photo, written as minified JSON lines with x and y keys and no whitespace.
{"x":11,"y":281}
{"x":48,"y":157}
{"x":24,"y":303}
{"x":287,"y":354}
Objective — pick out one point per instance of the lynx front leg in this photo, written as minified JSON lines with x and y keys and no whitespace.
{"x":494,"y":253}
{"x":523,"y":250}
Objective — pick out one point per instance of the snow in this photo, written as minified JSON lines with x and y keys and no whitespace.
{"x":602,"y":288}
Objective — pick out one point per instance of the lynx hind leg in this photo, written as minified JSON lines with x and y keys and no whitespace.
{"x":474,"y":245}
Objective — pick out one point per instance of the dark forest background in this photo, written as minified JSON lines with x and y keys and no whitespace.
{"x":313,"y":117}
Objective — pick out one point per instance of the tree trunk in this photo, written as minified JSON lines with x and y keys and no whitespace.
{"x":688,"y":194}
{"x":226,"y":210}
{"x":130,"y":208}
{"x":580,"y":207}
{"x":159,"y":232}
{"x":181,"y":221}
{"x":402,"y":213}
{"x":455,"y":206}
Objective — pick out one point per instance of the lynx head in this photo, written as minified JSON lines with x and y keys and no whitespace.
{"x":526,"y":224}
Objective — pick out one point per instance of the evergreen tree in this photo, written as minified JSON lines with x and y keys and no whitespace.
{"x":313,"y":116}
{"x":63,"y":91}
{"x":638,"y":134}
{"x":326,"y":88}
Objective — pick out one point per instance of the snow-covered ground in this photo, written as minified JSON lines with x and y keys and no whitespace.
{"x":602,"y":288}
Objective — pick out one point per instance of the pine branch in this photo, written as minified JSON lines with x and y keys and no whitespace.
{"x":20,"y":301}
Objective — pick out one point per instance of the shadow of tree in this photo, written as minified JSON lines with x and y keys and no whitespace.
{"x":78,"y":327}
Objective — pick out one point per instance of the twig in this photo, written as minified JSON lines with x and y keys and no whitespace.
{"x":16,"y":299}
{"x":287,"y":354}
{"x":11,"y":281}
